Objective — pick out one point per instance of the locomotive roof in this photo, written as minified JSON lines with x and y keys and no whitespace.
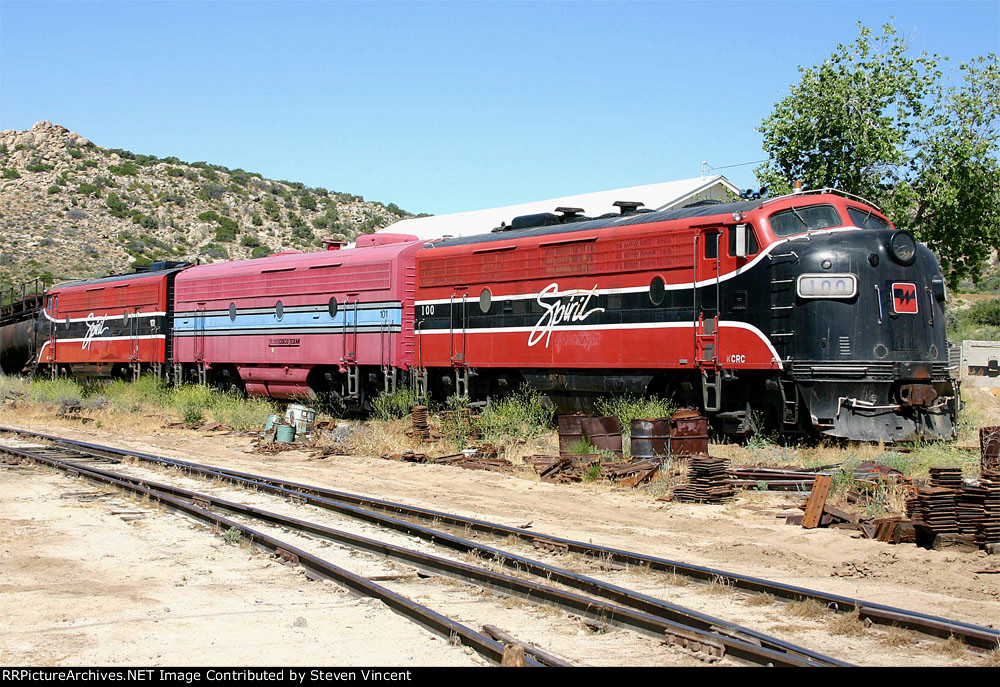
{"x":617,"y":221}
{"x":118,"y":277}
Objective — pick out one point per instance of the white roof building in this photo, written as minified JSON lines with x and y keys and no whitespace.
{"x":653,"y":196}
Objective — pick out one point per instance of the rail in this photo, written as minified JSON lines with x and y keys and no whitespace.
{"x":971,"y":634}
{"x":737,"y":642}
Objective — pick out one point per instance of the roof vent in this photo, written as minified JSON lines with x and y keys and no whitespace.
{"x":627,"y":207}
{"x":541,"y":219}
{"x":334,"y":244}
{"x":569,"y":214}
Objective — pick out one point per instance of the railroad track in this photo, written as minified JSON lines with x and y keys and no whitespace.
{"x":599,"y":601}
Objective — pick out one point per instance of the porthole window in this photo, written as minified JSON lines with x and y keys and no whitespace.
{"x":332,"y":307}
{"x":232,"y":312}
{"x":657,"y":291}
{"x":279,"y":310}
{"x":485,"y":300}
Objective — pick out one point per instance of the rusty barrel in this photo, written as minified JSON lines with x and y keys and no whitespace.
{"x":650,"y":438}
{"x":688,"y":433}
{"x":570,"y":432}
{"x":604,"y":433}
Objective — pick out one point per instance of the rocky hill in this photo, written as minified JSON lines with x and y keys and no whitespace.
{"x":71,"y":209}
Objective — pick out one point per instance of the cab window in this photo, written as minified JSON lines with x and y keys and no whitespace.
{"x":866,"y":220}
{"x":799,"y":220}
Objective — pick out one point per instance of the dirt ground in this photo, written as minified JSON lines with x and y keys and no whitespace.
{"x":95,"y":581}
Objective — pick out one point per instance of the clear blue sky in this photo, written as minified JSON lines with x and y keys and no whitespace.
{"x":441,"y":107}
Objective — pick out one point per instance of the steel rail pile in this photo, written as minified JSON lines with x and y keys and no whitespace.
{"x":971,"y":634}
{"x":737,"y":641}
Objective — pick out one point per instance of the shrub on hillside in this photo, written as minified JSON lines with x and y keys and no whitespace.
{"x":125,"y":169}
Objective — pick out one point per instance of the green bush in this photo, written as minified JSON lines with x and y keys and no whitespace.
{"x":627,"y":407}
{"x":209,"y":216}
{"x":130,"y":397}
{"x":260,"y":251}
{"x":11,"y":174}
{"x":523,"y":413}
{"x":38,"y":167}
{"x":242,"y":413}
{"x":981,"y":321}
{"x":272,"y":210}
{"x":56,"y":391}
{"x":125,"y":169}
{"x":145,"y":221}
{"x":395,"y":405}
{"x":116,"y":206}
{"x":191,"y":402}
{"x":214,"y":250}
{"x":212,"y":191}
{"x":54,"y":189}
{"x":308,"y":203}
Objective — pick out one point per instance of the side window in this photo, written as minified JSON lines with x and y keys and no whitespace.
{"x":711,"y":246}
{"x":752,"y":245}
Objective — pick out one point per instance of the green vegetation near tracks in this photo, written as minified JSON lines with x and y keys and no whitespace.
{"x":189,"y":403}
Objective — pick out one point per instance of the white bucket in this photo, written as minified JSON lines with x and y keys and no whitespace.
{"x":302,"y":417}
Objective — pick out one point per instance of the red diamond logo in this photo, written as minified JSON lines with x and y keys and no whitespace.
{"x":904,"y":298}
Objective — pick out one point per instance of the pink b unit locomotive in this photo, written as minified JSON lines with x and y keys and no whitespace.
{"x":337,"y":324}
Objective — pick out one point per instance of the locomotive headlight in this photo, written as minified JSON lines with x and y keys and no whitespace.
{"x":827,"y":286}
{"x":902,"y":247}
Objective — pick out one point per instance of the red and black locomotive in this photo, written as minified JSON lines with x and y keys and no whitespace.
{"x":809,"y":311}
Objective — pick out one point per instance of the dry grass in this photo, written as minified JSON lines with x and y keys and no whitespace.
{"x":897,"y":637}
{"x":719,"y":585}
{"x":807,"y":608}
{"x":675,"y":580}
{"x":762,"y":599}
{"x":991,"y":659}
{"x":951,"y":647}
{"x":378,"y":437}
{"x":847,"y":624}
{"x":788,"y":629}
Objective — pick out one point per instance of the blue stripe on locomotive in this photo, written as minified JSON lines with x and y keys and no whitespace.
{"x":292,"y":320}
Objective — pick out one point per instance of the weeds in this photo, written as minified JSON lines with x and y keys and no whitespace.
{"x":593,"y":472}
{"x":242,"y":413}
{"x":396,"y":405}
{"x":523,"y":414}
{"x":191,"y":402}
{"x":232,"y":536}
{"x":952,"y":648}
{"x":807,"y":608}
{"x":896,"y":637}
{"x":627,"y":407}
{"x":757,"y":438}
{"x":847,"y":624}
{"x":762,"y":599}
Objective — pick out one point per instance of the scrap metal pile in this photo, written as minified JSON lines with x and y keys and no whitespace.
{"x":708,"y":481}
{"x":592,"y":448}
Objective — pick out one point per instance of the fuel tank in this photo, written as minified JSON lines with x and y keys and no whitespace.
{"x":17,"y":345}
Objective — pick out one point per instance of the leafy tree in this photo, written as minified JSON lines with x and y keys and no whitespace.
{"x":875,"y":121}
